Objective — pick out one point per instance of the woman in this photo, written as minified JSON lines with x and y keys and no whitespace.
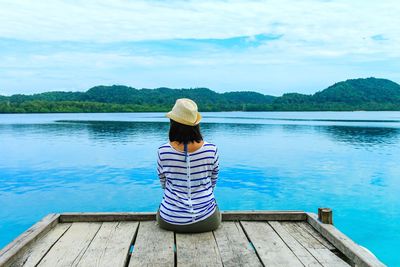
{"x":188,"y":172}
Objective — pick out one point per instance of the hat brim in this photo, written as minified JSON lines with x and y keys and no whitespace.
{"x":172,"y":116}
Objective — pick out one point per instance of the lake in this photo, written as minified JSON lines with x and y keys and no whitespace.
{"x":348,"y":161}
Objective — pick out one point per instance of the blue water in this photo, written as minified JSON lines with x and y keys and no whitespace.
{"x":348,"y":161}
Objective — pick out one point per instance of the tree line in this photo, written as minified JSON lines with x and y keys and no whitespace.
{"x":356,"y":94}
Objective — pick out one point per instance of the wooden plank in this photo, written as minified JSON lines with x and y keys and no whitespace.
{"x":153,"y":246}
{"x":264,"y":216}
{"x":354,"y":252}
{"x":315,"y":234}
{"x":234,"y":248}
{"x":38,"y":249}
{"x":151,"y":216}
{"x":270,"y":247}
{"x":301,"y":253}
{"x":197,"y":250}
{"x":107,"y":216}
{"x":70,"y":248}
{"x":9,"y":253}
{"x":110,"y":247}
{"x":316,"y":248}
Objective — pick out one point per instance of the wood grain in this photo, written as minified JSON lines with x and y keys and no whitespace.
{"x":110,"y":247}
{"x":151,"y":216}
{"x":234,"y":248}
{"x":316,"y":248}
{"x":153,"y":246}
{"x":197,"y":250}
{"x":301,"y":253}
{"x":18,"y":245}
{"x":70,"y":248}
{"x":270,"y":247}
{"x":38,"y":249}
{"x":315,"y":234}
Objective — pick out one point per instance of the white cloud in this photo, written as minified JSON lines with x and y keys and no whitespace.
{"x":143,"y":20}
{"x":314,"y":34}
{"x":335,"y":27}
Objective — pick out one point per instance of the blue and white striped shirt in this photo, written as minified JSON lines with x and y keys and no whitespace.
{"x":188,"y":183}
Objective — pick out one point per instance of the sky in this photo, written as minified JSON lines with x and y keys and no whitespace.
{"x":272,"y":46}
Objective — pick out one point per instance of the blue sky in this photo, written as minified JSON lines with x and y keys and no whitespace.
{"x":272,"y":46}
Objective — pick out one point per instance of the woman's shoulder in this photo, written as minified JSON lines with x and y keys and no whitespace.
{"x":208,"y":144}
{"x":164,"y":147}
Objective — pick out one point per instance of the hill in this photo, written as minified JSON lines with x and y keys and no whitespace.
{"x":355,"y":94}
{"x":118,"y":98}
{"x":360,"y":91}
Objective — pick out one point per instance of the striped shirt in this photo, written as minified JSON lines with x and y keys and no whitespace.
{"x":188,"y":183}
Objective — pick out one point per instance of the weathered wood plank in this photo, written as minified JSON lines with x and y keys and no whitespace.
{"x":151,"y":216}
{"x":270,"y":247}
{"x":70,"y":248}
{"x":234,"y":248}
{"x":316,"y":248}
{"x":333,"y":238}
{"x":153,"y":246}
{"x":107,"y":216}
{"x":301,"y":253}
{"x":110,"y":247}
{"x":264,"y":216}
{"x":18,"y":245}
{"x":38,"y":249}
{"x":315,"y":234}
{"x":197,"y":250}
{"x":347,"y":246}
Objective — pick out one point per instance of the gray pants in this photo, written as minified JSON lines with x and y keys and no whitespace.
{"x":209,"y":224}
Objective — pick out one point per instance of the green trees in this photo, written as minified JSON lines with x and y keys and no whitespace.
{"x":357,"y":94}
{"x":359,"y":91}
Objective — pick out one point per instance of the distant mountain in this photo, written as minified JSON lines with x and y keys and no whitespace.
{"x":119,"y":98}
{"x":356,"y":94}
{"x":166,"y":96}
{"x":360,"y":91}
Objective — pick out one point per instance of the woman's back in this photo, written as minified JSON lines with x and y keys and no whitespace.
{"x":189,"y":183}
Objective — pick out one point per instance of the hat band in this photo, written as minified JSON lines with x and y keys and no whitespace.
{"x":182,"y":120}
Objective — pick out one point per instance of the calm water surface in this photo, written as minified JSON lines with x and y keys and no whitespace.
{"x":349,"y":161}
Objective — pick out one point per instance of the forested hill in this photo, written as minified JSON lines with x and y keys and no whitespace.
{"x":119,"y":98}
{"x":356,"y":94}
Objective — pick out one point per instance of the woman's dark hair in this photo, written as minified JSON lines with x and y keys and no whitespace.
{"x":184,"y":133}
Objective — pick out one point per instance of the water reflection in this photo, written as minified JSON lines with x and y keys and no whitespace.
{"x":362,"y":136}
{"x":119,"y":131}
{"x":124,"y":131}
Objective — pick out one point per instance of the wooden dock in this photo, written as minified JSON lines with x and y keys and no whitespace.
{"x":267,"y":238}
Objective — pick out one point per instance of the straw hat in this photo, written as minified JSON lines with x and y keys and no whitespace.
{"x":185,"y":112}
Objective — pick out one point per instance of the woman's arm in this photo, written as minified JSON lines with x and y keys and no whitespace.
{"x":160,"y":171}
{"x":214,"y":175}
